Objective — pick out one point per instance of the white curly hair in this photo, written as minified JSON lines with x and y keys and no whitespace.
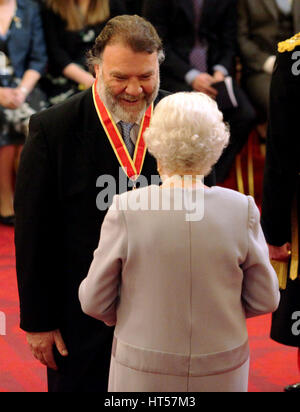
{"x":187,"y":134}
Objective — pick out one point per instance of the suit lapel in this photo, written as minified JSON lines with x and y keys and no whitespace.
{"x":187,"y":7}
{"x":89,"y":133}
{"x":16,"y":27}
{"x":91,"y":128}
{"x":271,"y":7}
{"x":208,"y":6}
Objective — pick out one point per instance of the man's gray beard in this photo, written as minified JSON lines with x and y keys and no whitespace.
{"x":117,"y":110}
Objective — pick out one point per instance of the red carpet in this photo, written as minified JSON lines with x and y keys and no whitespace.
{"x":19,"y":371}
{"x":273,"y":366}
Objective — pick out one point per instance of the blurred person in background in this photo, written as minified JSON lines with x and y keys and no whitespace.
{"x":281,"y":192}
{"x":262,"y":24}
{"x":200,"y":42}
{"x":134,"y":6}
{"x":71,"y":28}
{"x":23,"y":60}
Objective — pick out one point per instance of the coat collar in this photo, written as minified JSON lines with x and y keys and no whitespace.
{"x":188,"y":8}
{"x":19,"y":15}
{"x":21,"y":6}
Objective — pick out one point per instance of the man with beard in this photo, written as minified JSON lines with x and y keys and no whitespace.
{"x":57,"y":221}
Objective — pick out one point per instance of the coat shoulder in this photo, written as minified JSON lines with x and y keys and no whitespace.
{"x":231,"y":195}
{"x":68,"y":109}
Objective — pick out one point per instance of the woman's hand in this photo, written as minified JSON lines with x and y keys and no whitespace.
{"x":9,"y":98}
{"x":21,"y":94}
{"x":203,"y":83}
{"x":78,"y":75}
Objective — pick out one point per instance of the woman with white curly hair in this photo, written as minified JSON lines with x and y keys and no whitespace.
{"x":187,"y":134}
{"x":178,"y":285}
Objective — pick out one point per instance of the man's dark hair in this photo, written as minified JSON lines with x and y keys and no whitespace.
{"x":133,"y":31}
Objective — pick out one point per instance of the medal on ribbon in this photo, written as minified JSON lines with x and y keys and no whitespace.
{"x":132,"y":167}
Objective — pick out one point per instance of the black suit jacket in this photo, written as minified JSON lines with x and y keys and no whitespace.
{"x":282,"y":166}
{"x":57,"y":221}
{"x":282,"y":183}
{"x":134,"y":6}
{"x":174,"y":20}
